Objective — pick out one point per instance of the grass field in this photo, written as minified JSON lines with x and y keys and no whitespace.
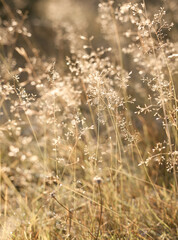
{"x":89,"y":120}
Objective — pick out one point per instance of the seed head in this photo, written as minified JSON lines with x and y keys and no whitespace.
{"x":97,"y":179}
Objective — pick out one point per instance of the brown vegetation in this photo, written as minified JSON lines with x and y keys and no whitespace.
{"x":88,"y":120}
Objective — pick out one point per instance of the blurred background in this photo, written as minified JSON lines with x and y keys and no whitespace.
{"x":51,"y":21}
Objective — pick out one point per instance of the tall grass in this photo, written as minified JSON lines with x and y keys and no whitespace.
{"x":89,"y":144}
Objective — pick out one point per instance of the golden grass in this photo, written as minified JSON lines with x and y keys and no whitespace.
{"x":89,"y":144}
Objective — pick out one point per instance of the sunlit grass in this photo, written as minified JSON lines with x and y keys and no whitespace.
{"x":89,"y":144}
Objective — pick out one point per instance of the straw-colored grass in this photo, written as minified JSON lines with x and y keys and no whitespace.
{"x":88,"y":141}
